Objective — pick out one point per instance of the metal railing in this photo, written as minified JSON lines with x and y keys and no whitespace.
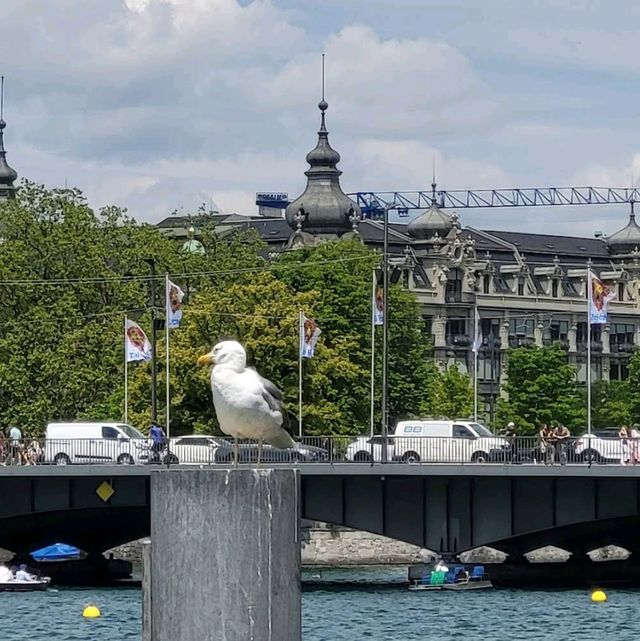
{"x":410,"y":450}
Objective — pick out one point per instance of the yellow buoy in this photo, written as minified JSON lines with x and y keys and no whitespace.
{"x":598,"y":596}
{"x":91,"y":612}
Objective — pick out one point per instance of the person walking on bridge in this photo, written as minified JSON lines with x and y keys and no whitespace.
{"x":562,"y":436}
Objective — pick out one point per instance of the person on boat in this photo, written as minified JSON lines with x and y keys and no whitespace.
{"x":22,"y":574}
{"x":441,"y":567}
{"x":5,"y":573}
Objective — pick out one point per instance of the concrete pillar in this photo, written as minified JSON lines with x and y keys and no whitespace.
{"x":225,"y":555}
{"x":147,"y":635}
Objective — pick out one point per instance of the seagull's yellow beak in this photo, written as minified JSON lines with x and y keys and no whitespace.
{"x":205,"y":359}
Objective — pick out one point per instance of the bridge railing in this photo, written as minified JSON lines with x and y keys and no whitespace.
{"x":411,"y":450}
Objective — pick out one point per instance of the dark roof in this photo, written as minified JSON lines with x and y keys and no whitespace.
{"x":554,"y":245}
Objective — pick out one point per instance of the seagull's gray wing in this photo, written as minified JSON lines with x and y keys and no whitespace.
{"x":275,"y":400}
{"x":271,"y":394}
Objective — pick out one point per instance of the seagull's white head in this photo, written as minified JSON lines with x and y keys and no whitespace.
{"x":228,"y":353}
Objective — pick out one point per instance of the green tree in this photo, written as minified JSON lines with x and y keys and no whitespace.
{"x":68,"y":275}
{"x":541,"y":387}
{"x":610,"y":403}
{"x":451,"y":394}
{"x":340,"y":274}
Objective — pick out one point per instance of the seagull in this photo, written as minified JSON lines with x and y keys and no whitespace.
{"x":247,"y":404}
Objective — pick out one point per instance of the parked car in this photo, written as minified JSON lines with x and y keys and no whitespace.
{"x":197,"y":448}
{"x":369,"y":448}
{"x":94,"y":442}
{"x":603,"y":446}
{"x":445,"y":442}
{"x":248,"y":453}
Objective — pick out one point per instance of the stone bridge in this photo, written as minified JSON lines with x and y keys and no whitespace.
{"x":514,"y":508}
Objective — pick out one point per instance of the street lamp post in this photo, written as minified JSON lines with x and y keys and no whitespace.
{"x":385,"y":335}
{"x":152,"y":295}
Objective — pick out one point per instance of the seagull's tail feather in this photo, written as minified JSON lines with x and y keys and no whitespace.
{"x":283,"y":440}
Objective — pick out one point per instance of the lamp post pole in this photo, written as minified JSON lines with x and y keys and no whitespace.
{"x":385,"y":336}
{"x":152,"y":295}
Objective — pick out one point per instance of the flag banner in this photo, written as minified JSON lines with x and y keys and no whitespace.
{"x":138,"y":345}
{"x":309,"y":333}
{"x":477,"y":340}
{"x":174,"y":302}
{"x":599,"y":297}
{"x":378,"y":306}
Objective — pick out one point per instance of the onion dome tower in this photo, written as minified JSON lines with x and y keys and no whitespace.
{"x":323,"y":208}
{"x":431,"y":222}
{"x":7,"y":174}
{"x":627,"y":239}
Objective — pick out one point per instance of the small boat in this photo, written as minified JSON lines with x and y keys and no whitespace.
{"x":456,"y":580}
{"x":38,"y":584}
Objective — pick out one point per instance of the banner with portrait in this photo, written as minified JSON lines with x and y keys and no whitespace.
{"x":309,"y":333}
{"x":599,"y":297}
{"x":137,"y":343}
{"x":174,"y":304}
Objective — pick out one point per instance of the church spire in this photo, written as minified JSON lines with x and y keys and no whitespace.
{"x":7,"y":174}
{"x":323,"y":208}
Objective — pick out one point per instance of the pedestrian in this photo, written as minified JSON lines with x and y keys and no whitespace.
{"x":562,"y":436}
{"x":15,"y":445}
{"x":159,"y":441}
{"x":544,"y":445}
{"x":624,"y":434}
{"x":634,"y":444}
{"x":512,"y":438}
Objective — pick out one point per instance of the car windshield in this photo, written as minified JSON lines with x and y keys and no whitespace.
{"x":131,"y":432}
{"x":480,"y":429}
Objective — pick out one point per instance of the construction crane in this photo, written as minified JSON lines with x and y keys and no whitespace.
{"x":373,"y":203}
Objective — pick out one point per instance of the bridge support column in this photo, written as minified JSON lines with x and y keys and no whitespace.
{"x":225,"y":555}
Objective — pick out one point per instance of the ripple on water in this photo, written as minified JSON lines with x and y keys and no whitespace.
{"x":371,"y":614}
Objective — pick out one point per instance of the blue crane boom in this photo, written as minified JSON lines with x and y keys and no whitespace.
{"x":373,"y":203}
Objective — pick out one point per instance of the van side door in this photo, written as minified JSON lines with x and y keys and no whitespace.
{"x":462,"y":443}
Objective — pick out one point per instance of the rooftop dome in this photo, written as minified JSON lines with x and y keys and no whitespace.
{"x":627,"y":238}
{"x":323,"y":207}
{"x":431,"y":221}
{"x":7,"y":174}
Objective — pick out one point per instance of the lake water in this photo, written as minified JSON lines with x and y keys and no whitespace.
{"x":352,"y":613}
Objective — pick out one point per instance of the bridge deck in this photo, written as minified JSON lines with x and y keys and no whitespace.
{"x":345,"y":469}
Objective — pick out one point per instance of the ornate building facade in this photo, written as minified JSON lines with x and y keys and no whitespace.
{"x":529,"y":289}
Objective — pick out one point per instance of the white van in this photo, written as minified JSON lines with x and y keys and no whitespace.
{"x":94,"y":442}
{"x":445,"y":442}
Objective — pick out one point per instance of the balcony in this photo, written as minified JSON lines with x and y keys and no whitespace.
{"x":622,"y":348}
{"x":458,"y":340}
{"x":596,"y":346}
{"x":521,"y":341}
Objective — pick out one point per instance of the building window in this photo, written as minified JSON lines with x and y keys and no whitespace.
{"x":486,"y":283}
{"x":622,"y":337}
{"x":521,"y":332}
{"x":569,"y":289}
{"x":500,"y":285}
{"x":556,"y":331}
{"x":581,"y":335}
{"x":621,"y":289}
{"x":453,"y":290}
{"x":596,"y":369}
{"x":486,"y":369}
{"x":554,"y":288}
{"x":619,"y":370}
{"x":428,"y":325}
{"x":457,"y":332}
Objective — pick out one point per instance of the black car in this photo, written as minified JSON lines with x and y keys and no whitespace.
{"x":248,"y":453}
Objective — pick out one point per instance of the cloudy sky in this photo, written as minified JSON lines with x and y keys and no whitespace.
{"x":159,"y":105}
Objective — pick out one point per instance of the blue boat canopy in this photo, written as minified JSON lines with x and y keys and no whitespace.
{"x":57,"y":552}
